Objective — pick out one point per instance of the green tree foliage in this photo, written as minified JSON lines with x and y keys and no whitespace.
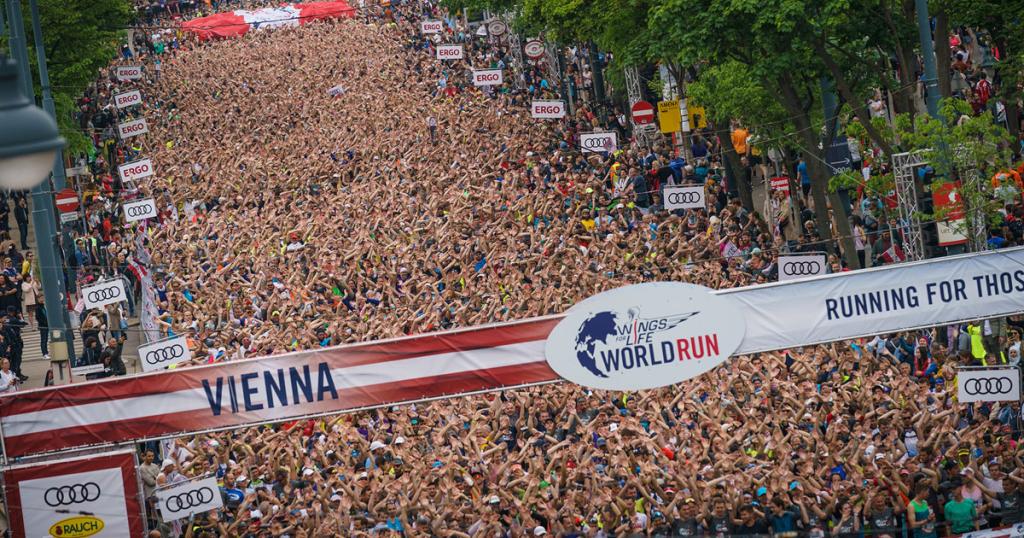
{"x":80,"y":36}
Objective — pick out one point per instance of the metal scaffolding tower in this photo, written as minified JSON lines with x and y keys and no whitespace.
{"x":906,"y":200}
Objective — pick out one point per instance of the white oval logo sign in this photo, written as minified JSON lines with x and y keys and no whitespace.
{"x":645,"y":336}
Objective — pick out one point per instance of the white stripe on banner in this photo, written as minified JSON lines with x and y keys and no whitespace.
{"x":881,"y":300}
{"x":344,"y":378}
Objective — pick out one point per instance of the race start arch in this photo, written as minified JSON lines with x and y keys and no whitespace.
{"x":493,"y":357}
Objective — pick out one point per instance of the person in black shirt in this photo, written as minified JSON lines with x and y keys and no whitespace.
{"x":686,"y":524}
{"x":718,"y":522}
{"x":751,"y":521}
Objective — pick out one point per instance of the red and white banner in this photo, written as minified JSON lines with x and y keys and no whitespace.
{"x":947,"y":196}
{"x":231,"y":394}
{"x":132,"y":128}
{"x":127,"y":99}
{"x":487,"y":77}
{"x":128,"y":72}
{"x":547,"y":109}
{"x":431,"y":27}
{"x":238,"y":22}
{"x":449,"y":52}
{"x":95,"y":495}
{"x":139,"y":169}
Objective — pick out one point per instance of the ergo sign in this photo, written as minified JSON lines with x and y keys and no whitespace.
{"x":128,"y":72}
{"x":487,"y":77}
{"x":132,"y":128}
{"x":431,"y":27}
{"x":548,"y":109}
{"x":135,"y":170}
{"x":127,"y":99}
{"x":449,"y":52}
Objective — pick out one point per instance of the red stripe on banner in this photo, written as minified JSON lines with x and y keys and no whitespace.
{"x":324,"y":10}
{"x":382,"y":395}
{"x":337,"y":357}
{"x":125,"y":460}
{"x":220,"y":25}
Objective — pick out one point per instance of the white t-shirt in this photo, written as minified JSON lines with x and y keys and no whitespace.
{"x":8,"y":381}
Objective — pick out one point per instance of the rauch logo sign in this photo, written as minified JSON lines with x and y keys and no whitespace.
{"x":645,"y":336}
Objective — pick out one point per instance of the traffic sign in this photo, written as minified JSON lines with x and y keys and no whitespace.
{"x":67,"y":200}
{"x":643,"y":113}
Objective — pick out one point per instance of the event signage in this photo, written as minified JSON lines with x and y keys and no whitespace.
{"x":534,"y":49}
{"x":670,"y":116}
{"x":159,"y":355}
{"x":497,"y":27}
{"x":800,"y":266}
{"x":431,"y":27}
{"x":644,"y":336}
{"x":599,"y":142}
{"x":103,"y":293}
{"x":187,"y":498}
{"x":988,"y":384}
{"x":132,"y":128}
{"x":134,"y":170}
{"x":946,"y":196}
{"x":827,"y":308}
{"x":449,"y":52}
{"x":487,"y":77}
{"x":128,"y":72}
{"x":95,"y":495}
{"x":685,"y":198}
{"x":139,"y":210}
{"x":66,"y":200}
{"x":547,"y":109}
{"x":127,"y":99}
{"x":839,"y":157}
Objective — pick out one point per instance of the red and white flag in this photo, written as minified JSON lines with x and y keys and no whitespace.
{"x":238,"y":22}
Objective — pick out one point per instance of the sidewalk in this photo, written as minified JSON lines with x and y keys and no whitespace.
{"x":35,"y":366}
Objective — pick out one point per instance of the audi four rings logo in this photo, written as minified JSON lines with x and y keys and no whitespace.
{"x":988,"y":385}
{"x":103,"y":294}
{"x":801,"y":268}
{"x":189,"y":499}
{"x":596,"y":142}
{"x":73,"y":494}
{"x":138,"y":210}
{"x":165,"y":354}
{"x":683,"y":197}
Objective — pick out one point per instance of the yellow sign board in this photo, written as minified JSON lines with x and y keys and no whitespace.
{"x":669,"y":116}
{"x":698,"y":118}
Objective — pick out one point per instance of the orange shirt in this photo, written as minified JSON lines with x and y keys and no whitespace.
{"x":739,"y":140}
{"x":1011,"y":173}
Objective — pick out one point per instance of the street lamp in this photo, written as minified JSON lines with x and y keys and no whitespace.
{"x":29,"y":138}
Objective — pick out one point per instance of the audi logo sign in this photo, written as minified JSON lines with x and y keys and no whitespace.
{"x":185,"y":499}
{"x":104,"y":293}
{"x":431,"y":27}
{"x":547,"y":109}
{"x":135,"y":170}
{"x":72,"y":494}
{"x":132,"y":128}
{"x":449,"y":52}
{"x":160,"y":355}
{"x":487,"y":77}
{"x":805,"y":265}
{"x":599,"y":142}
{"x":140,"y":210}
{"x":128,"y":72}
{"x":127,"y":99}
{"x":988,"y":384}
{"x":684,"y":198}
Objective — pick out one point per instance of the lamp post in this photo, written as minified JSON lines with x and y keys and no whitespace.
{"x":28,"y":131}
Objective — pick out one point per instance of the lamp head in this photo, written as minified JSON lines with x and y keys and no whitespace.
{"x":29,"y":138}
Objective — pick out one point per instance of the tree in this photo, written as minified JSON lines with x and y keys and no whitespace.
{"x":80,"y":36}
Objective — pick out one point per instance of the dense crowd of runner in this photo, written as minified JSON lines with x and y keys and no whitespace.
{"x":335,"y":183}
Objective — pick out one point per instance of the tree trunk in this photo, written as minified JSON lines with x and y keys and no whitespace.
{"x":1010,"y":98}
{"x":819,"y":175}
{"x":942,"y":58}
{"x":732,"y":162}
{"x":858,"y":106}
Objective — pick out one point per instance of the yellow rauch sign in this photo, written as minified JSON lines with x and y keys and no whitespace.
{"x":76,"y":527}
